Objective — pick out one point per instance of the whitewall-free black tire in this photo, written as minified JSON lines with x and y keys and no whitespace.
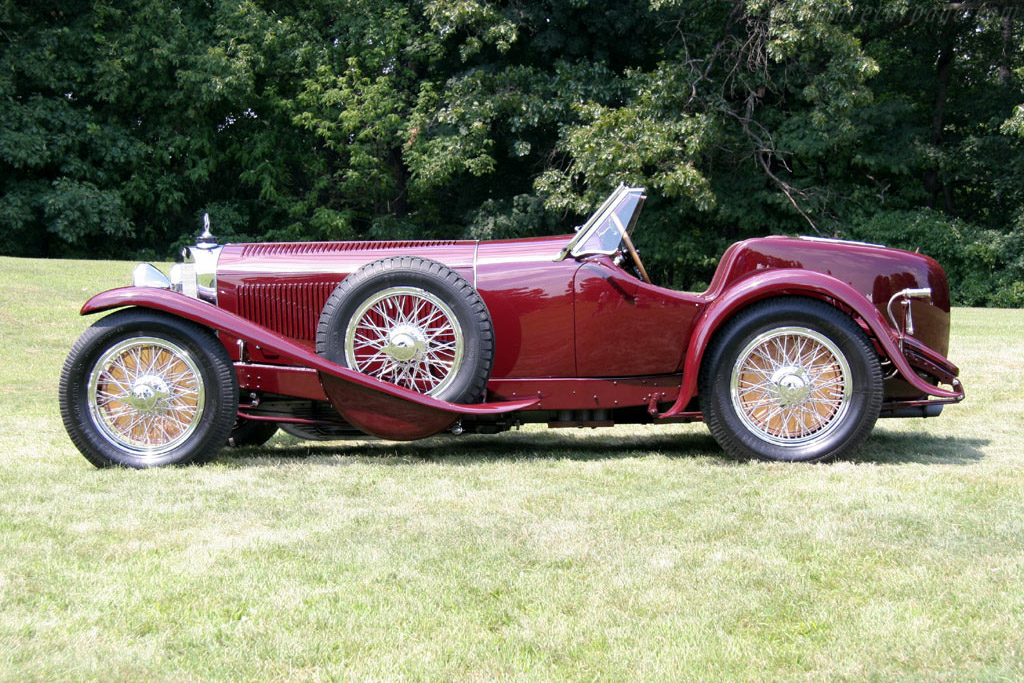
{"x":142,"y":388}
{"x":791,"y":379}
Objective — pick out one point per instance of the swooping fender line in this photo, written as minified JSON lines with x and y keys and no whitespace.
{"x":338,"y":376}
{"x":789,"y":282}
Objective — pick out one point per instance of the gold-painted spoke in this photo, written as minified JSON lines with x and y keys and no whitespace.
{"x":166,"y":376}
{"x":790,"y":385}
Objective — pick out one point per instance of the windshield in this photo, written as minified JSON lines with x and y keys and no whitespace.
{"x":602,"y":233}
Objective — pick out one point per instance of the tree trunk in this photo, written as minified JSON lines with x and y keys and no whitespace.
{"x":1004,"y":64}
{"x":933,"y":182}
{"x":399,"y":202}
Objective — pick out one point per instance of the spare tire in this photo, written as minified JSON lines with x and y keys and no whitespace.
{"x":413,"y":322}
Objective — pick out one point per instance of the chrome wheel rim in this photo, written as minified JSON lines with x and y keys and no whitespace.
{"x":146,"y":396}
{"x":791,"y":385}
{"x":406,"y":336}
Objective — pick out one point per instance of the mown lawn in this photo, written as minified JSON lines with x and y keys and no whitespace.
{"x":620,"y":554}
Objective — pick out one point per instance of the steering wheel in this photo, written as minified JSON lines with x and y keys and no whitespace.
{"x":633,"y":254}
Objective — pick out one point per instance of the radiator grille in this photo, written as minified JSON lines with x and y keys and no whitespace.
{"x":291,"y":309}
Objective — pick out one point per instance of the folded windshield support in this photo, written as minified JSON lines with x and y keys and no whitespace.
{"x":604,"y":230}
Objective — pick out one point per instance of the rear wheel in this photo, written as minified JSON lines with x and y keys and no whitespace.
{"x":791,"y":379}
{"x":142,"y":388}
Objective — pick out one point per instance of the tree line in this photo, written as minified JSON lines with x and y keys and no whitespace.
{"x":123,"y":121}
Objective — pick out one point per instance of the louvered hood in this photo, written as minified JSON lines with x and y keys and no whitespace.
{"x":283,"y":286}
{"x":281,"y":249}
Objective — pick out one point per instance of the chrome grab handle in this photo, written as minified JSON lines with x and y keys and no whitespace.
{"x":905,"y":295}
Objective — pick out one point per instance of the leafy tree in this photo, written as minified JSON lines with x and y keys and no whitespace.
{"x":121,"y":122}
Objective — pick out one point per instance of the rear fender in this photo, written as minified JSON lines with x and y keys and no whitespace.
{"x":792,"y":282}
{"x":375,"y":407}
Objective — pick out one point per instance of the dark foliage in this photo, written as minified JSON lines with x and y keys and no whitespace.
{"x":122,"y":122}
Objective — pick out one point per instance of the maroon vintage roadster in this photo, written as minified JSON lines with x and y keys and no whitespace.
{"x":792,"y":353}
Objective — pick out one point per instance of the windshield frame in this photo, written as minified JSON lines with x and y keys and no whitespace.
{"x":607,"y":211}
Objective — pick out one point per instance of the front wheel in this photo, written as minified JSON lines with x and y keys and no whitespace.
{"x":791,"y":379}
{"x":142,"y":388}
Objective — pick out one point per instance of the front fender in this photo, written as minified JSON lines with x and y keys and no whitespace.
{"x":379,"y":408}
{"x":792,"y":282}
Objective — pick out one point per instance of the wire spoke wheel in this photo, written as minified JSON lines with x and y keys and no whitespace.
{"x":407,"y":336}
{"x":791,"y":379}
{"x":791,"y":385}
{"x":412,"y":322}
{"x":146,"y":395}
{"x":142,"y":388}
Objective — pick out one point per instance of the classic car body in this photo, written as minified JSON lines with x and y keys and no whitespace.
{"x":795,"y":349}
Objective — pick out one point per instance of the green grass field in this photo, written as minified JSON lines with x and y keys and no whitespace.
{"x":620,"y":554}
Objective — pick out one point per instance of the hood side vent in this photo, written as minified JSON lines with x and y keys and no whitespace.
{"x":292,"y":248}
{"x":292,"y":310}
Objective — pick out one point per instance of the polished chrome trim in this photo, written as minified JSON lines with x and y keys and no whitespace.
{"x":204,"y":260}
{"x":148,"y":275}
{"x":834,"y":240}
{"x":908,"y":319}
{"x":183,"y":279}
{"x":476,"y":260}
{"x":203,"y":256}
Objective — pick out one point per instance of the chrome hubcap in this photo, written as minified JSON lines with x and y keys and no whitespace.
{"x":405,"y":342}
{"x":146,"y":395}
{"x":149,"y":395}
{"x":791,"y":385}
{"x":406,"y":336}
